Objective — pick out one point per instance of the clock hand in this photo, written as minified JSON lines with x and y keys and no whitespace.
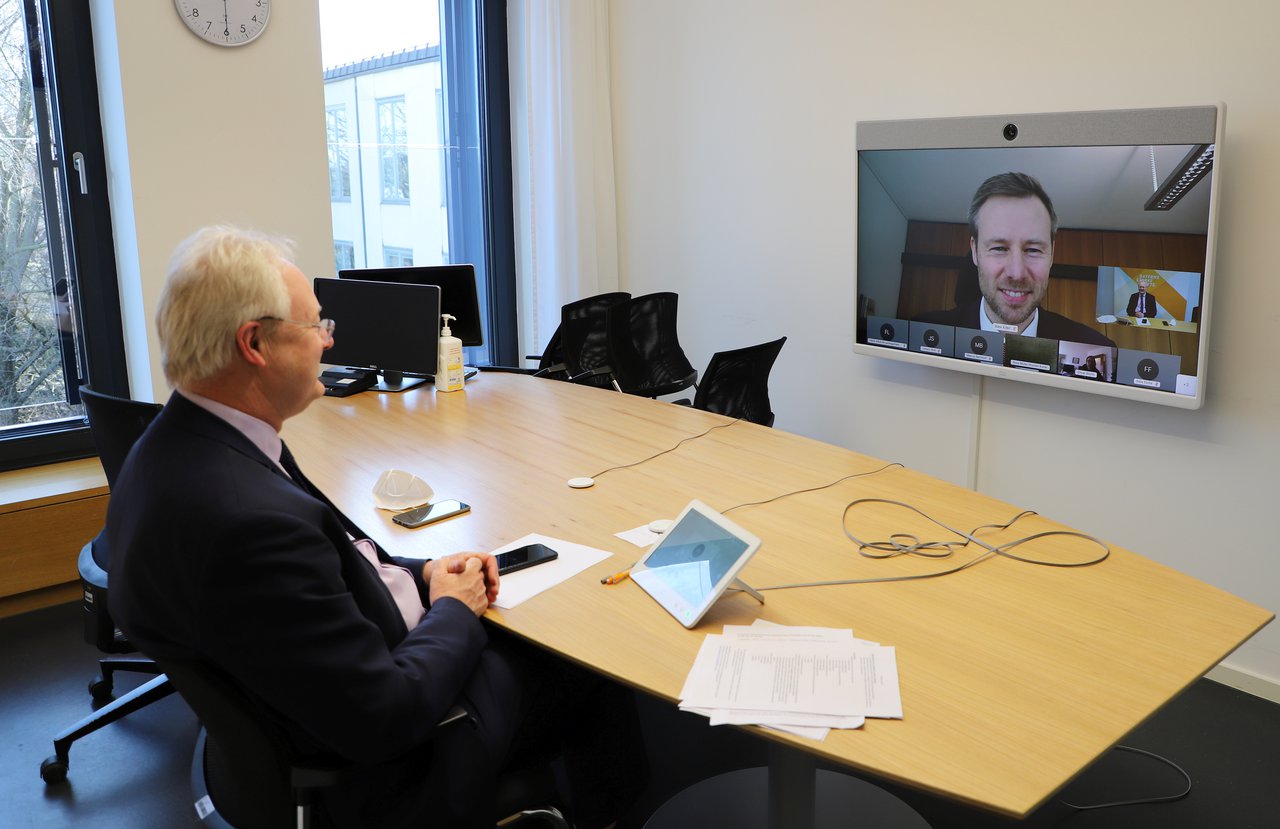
{"x":226,"y":20}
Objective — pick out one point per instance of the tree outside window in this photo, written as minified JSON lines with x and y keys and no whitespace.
{"x":37,"y":323}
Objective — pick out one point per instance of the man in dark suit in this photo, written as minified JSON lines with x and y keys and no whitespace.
{"x":224,"y":552}
{"x":1141,"y":303}
{"x":1012,"y":228}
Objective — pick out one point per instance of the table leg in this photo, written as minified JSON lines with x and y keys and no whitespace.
{"x":790,"y":793}
{"x":791,"y":788}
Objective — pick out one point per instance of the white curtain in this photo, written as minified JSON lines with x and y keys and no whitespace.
{"x":562,"y":159}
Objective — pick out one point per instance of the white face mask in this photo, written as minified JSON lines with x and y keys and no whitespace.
{"x":398,"y":490}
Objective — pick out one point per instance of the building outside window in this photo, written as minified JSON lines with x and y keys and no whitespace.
{"x":393,"y":150}
{"x":335,"y":118}
{"x":397,"y":257}
{"x":344,"y":255}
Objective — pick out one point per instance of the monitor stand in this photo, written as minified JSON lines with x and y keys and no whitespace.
{"x":395,"y":381}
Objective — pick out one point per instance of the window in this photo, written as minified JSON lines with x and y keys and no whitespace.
{"x":335,"y":119}
{"x":441,"y":158}
{"x":428,"y":88}
{"x":59,"y":327}
{"x":344,"y":255}
{"x":397,"y":257}
{"x":393,"y":152}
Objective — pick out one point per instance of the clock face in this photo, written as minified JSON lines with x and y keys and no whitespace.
{"x":225,"y":22}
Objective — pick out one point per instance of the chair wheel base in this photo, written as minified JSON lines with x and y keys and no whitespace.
{"x":53,"y":770}
{"x":100,"y":689}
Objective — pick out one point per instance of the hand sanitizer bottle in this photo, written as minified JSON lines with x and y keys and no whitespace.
{"x":449,"y":359}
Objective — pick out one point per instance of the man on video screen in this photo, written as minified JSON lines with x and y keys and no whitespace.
{"x":1141,"y":303}
{"x":1012,"y":227}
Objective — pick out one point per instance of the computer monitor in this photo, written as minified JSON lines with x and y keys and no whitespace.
{"x":386,"y":327}
{"x":457,"y":293}
{"x":1112,"y":299}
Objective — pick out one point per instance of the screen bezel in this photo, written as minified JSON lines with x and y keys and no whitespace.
{"x":459,"y":295}
{"x":1169,"y":126}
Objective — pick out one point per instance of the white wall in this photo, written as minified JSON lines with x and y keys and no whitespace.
{"x":734,"y":147}
{"x":199,"y":134}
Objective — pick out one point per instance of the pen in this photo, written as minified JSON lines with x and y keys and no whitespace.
{"x":616,"y":577}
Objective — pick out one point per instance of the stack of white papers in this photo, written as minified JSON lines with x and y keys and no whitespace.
{"x":802,"y":680}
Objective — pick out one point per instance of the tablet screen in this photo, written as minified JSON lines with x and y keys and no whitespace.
{"x":697,"y":558}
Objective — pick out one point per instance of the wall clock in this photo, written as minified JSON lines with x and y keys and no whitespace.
{"x":225,"y":22}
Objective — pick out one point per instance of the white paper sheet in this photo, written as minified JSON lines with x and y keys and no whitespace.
{"x":640,"y":536}
{"x":516,"y":587}
{"x":720,"y":716}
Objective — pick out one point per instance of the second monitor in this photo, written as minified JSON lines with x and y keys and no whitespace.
{"x":382,"y":327}
{"x":457,"y":293}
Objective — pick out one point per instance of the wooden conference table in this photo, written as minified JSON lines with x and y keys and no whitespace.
{"x":1014,"y":677}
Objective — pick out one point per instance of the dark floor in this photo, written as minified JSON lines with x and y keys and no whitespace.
{"x":135,"y":773}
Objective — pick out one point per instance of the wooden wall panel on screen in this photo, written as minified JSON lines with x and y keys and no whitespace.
{"x":1184,"y":251}
{"x":1078,"y":247}
{"x":1133,"y":250}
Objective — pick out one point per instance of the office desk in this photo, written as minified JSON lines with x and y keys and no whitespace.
{"x":1014,"y":677}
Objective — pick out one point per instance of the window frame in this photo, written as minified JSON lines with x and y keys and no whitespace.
{"x":71,"y":89}
{"x":495,"y":242}
{"x":477,"y":30}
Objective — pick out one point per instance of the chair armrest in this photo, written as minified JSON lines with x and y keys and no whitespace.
{"x":507,"y":369}
{"x":557,"y":368}
{"x":455,"y":714}
{"x":591,"y":372}
{"x":309,"y":776}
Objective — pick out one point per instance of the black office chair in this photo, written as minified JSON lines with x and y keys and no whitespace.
{"x":116,"y":423}
{"x":644,"y":350}
{"x":583,"y":338}
{"x":551,"y":361}
{"x":736,"y":383}
{"x":246,"y":773}
{"x":586,"y":317}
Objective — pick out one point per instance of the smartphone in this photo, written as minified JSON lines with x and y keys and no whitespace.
{"x":421,"y":516}
{"x":523,"y":557}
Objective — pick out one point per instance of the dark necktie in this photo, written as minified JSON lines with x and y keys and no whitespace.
{"x":291,"y":466}
{"x":295,"y":473}
{"x":392,"y":605}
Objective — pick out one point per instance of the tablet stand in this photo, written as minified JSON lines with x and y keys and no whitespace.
{"x":739,"y":584}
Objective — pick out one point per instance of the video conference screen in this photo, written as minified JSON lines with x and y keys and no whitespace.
{"x":1066,"y":249}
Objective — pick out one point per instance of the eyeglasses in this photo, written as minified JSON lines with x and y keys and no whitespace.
{"x":326,"y":326}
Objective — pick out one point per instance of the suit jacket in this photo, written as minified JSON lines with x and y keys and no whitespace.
{"x":218,"y":555}
{"x":1133,"y":305}
{"x":1051,"y":326}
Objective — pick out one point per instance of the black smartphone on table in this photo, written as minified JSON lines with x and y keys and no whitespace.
{"x":523,"y":557}
{"x":421,"y":516}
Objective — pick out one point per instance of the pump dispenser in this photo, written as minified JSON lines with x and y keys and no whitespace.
{"x":449,"y":359}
